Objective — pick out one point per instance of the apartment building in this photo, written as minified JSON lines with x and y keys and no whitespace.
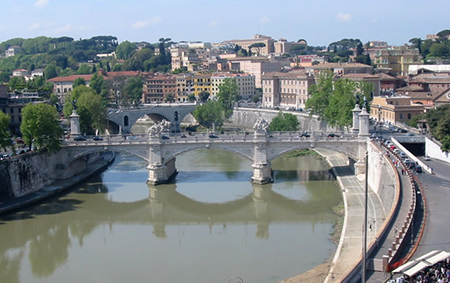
{"x":157,"y":88}
{"x":185,"y":87}
{"x":397,"y":59}
{"x":255,"y":66}
{"x":286,"y":90}
{"x":201,"y":83}
{"x":339,"y":69}
{"x":394,"y":109}
{"x":244,"y":82}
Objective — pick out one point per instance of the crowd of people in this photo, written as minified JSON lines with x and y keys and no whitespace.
{"x":439,"y":273}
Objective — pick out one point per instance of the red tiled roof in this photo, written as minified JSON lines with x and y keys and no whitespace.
{"x":71,"y":78}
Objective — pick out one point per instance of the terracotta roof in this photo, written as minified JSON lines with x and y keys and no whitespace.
{"x":423,"y":95}
{"x":339,"y":65}
{"x":410,"y":88}
{"x":71,"y":78}
{"x":387,"y":77}
{"x":122,"y":74}
{"x":360,"y":75}
{"x":292,"y":74}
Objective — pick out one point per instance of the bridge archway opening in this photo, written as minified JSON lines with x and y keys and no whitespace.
{"x":112,"y":127}
{"x":146,"y":121}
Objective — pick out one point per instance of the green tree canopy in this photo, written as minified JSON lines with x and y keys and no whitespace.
{"x":89,"y":107}
{"x":228,"y":95}
{"x":333,"y":100}
{"x":5,"y":135}
{"x":125,"y":50}
{"x":97,"y":83}
{"x":78,"y":81}
{"x":203,"y":96}
{"x":284,"y":122}
{"x":133,"y":90}
{"x":41,"y":127}
{"x":210,"y":113}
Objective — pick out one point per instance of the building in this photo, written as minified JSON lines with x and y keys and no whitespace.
{"x":389,"y":84}
{"x":255,"y":66}
{"x":20,"y":73}
{"x":339,"y":69}
{"x":394,"y":109}
{"x":12,"y":51}
{"x":62,"y":86}
{"x":187,"y":58}
{"x":257,"y":38}
{"x":397,"y":59}
{"x":367,"y":78}
{"x":286,"y":90}
{"x":185,"y":87}
{"x":158,"y":88}
{"x":422,"y":68}
{"x":202,"y":83}
{"x":244,"y":82}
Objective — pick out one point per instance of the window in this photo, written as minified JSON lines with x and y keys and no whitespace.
{"x":401,"y":116}
{"x":409,"y":116}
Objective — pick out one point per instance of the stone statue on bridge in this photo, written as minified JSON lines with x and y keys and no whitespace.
{"x":157,"y":129}
{"x":261,"y":126}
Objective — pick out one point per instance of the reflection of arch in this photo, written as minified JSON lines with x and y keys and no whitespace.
{"x":96,"y":150}
{"x":125,"y":121}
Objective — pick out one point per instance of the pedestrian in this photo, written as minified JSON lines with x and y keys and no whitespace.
{"x":403,"y":171}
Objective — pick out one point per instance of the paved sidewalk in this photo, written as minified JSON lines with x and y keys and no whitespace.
{"x":349,"y":250}
{"x":398,"y":220}
{"x":58,"y":186}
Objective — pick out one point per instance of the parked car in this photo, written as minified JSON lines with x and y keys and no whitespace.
{"x":418,"y":169}
{"x":402,"y":155}
{"x":332,"y":136}
{"x":164,"y":137}
{"x":305,"y":135}
{"x":212,"y":136}
{"x":131,"y":138}
{"x":397,"y":151}
{"x":97,"y":138}
{"x":400,"y":130}
{"x":426,"y":158}
{"x":79,"y":138}
{"x":183,"y":136}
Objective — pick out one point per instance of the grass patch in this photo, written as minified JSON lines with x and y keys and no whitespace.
{"x":303,"y":152}
{"x":338,"y":224}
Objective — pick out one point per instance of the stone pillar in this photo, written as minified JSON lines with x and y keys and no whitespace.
{"x":356,"y":112}
{"x":363,"y":123}
{"x":74,"y":124}
{"x":159,"y":169}
{"x":261,"y":168}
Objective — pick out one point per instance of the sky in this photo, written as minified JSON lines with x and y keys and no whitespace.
{"x":319,"y":22}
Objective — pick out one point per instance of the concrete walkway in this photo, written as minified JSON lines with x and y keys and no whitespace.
{"x":350,"y":246}
{"x":59,"y":185}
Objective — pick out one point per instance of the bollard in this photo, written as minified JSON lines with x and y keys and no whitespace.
{"x":385,"y":262}
{"x":394,"y":245}
{"x":397,"y":239}
{"x":390,"y":252}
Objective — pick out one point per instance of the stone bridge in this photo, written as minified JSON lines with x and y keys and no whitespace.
{"x":124,"y":119}
{"x":160,"y":151}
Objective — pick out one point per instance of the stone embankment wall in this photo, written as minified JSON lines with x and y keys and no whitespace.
{"x":30,"y":172}
{"x":381,"y":178}
{"x":433,"y":149}
{"x":246,"y":118}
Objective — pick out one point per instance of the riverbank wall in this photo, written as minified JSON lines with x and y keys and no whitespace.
{"x":30,"y":172}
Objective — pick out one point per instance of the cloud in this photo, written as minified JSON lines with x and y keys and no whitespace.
{"x":264,"y":20}
{"x":341,"y":17}
{"x":62,"y":29}
{"x":140,"y":24}
{"x":35,"y":26}
{"x":41,"y":3}
{"x":214,"y":23}
{"x":143,"y":24}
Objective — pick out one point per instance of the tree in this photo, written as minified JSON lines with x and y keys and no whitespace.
{"x":170,"y":98}
{"x":228,"y":94}
{"x":333,"y":100}
{"x":89,"y":107}
{"x":436,"y":117}
{"x":359,"y":49}
{"x":445,"y":144}
{"x":203,"y":96}
{"x":210,"y":113}
{"x":440,"y":50}
{"x":97,"y":83}
{"x":284,"y":122}
{"x":84,"y":69}
{"x":50,"y":71}
{"x":41,"y":127}
{"x":125,"y":50}
{"x":5,"y":135}
{"x":78,"y":81}
{"x":191,"y":97}
{"x":133,"y":90}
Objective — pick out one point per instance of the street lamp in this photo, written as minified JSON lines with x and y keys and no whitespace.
{"x":379,"y":119}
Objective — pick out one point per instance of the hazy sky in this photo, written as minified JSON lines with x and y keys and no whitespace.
{"x":320,"y":22}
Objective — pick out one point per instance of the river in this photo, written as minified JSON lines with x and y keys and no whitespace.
{"x":209,"y":225}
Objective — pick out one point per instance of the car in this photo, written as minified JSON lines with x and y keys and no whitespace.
{"x":400,"y":130}
{"x":332,"y":136}
{"x":164,"y":137}
{"x":131,"y":138}
{"x":396,"y":151}
{"x":402,"y":155}
{"x":393,"y":147}
{"x":410,"y":135}
{"x":97,"y":138}
{"x":183,"y":136}
{"x":79,"y":138}
{"x":305,"y":135}
{"x":212,"y":136}
{"x":418,"y":169}
{"x":426,"y":158}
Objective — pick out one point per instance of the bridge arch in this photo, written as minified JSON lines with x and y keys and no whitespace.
{"x":210,"y":146}
{"x":90,"y":150}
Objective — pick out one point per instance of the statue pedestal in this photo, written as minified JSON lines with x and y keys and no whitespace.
{"x":74,"y":124}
